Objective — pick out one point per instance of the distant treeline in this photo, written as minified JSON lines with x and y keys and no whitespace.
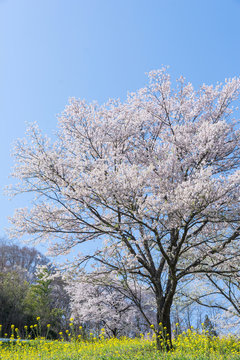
{"x":26,"y":294}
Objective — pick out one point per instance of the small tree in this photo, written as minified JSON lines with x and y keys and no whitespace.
{"x":209,"y":327}
{"x":157,"y":178}
{"x":41,"y":302}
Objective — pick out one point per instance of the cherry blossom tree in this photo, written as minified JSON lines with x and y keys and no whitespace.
{"x":102,"y":303}
{"x":153,"y":181}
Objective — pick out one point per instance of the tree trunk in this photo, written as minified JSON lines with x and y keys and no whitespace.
{"x":163,"y":331}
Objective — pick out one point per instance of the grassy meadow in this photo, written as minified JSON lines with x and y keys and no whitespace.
{"x":187,"y":346}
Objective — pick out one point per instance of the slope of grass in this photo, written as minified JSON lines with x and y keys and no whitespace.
{"x":187,"y":346}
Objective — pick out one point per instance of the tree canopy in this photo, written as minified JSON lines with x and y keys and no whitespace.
{"x":155,"y":180}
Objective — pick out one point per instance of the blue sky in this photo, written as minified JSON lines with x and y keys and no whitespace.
{"x":51,"y":50}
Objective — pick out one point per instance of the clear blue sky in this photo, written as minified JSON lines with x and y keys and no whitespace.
{"x":96,"y":49}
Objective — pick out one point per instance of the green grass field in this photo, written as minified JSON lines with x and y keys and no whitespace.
{"x":187,"y":346}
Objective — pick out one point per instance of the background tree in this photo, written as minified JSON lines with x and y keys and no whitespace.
{"x":47,"y":298}
{"x":13,"y":290}
{"x":22,"y":258}
{"x":209,"y":326}
{"x":154,"y":179}
{"x":98,"y":303}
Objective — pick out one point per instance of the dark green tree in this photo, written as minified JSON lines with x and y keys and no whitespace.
{"x":208,"y":326}
{"x":13,"y":291}
{"x":42,"y":301}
